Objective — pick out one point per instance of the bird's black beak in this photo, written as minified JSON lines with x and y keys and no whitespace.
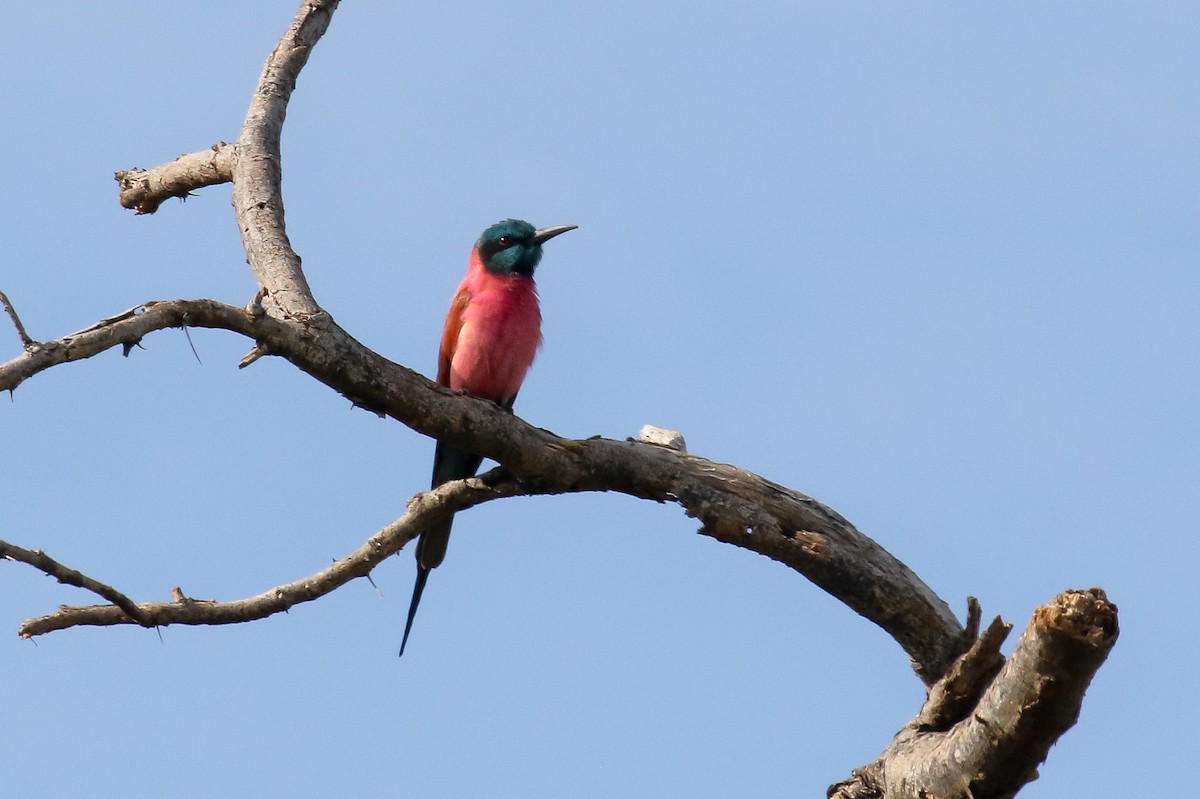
{"x":547,"y":233}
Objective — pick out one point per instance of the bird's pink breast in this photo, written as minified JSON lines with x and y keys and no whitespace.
{"x":501,"y":332}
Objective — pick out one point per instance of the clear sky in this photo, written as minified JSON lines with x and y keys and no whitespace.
{"x":934,"y":264}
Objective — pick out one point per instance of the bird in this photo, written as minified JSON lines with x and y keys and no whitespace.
{"x":491,"y":335}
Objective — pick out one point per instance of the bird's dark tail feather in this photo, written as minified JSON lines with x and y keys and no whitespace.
{"x":418,"y":588}
{"x":449,"y":463}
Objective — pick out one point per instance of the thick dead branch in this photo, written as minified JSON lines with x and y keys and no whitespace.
{"x":999,"y":740}
{"x":144,"y":190}
{"x":257,"y":171}
{"x":732,"y":505}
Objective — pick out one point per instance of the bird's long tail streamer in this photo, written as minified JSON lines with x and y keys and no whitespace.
{"x":418,"y":588}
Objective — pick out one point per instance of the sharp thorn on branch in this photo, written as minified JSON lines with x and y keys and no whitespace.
{"x":191,"y":344}
{"x":371,"y":580}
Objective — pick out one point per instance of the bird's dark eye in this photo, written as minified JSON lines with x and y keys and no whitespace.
{"x":506,"y":241}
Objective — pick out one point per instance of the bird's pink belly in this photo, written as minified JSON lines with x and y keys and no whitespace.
{"x":500,"y":336}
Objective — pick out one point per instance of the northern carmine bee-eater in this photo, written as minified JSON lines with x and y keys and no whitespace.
{"x":492,"y":332}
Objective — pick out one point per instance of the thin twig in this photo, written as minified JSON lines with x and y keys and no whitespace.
{"x":422,"y":509}
{"x":128,"y":327}
{"x":26,"y":342}
{"x":68,"y":576}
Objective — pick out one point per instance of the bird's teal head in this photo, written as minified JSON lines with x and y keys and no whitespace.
{"x":514,"y":247}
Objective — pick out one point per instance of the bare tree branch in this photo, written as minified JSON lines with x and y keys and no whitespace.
{"x":422,"y":510}
{"x":43,"y":562}
{"x":143,"y":191}
{"x":26,"y":341}
{"x":986,"y":724}
{"x":128,"y":328}
{"x":732,"y":505}
{"x":257,"y":171}
{"x":991,"y":746}
{"x":952,"y":697}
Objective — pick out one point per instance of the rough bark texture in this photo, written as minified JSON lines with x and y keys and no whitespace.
{"x":143,"y":192}
{"x":985,"y":729}
{"x":733,"y":505}
{"x":987,"y":723}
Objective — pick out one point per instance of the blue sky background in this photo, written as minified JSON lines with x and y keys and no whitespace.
{"x":931,"y":263}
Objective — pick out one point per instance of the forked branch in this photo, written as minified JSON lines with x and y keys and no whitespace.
{"x":987,"y":722}
{"x":732,"y":505}
{"x":26,"y":341}
{"x":991,"y":744}
{"x":422,"y":509}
